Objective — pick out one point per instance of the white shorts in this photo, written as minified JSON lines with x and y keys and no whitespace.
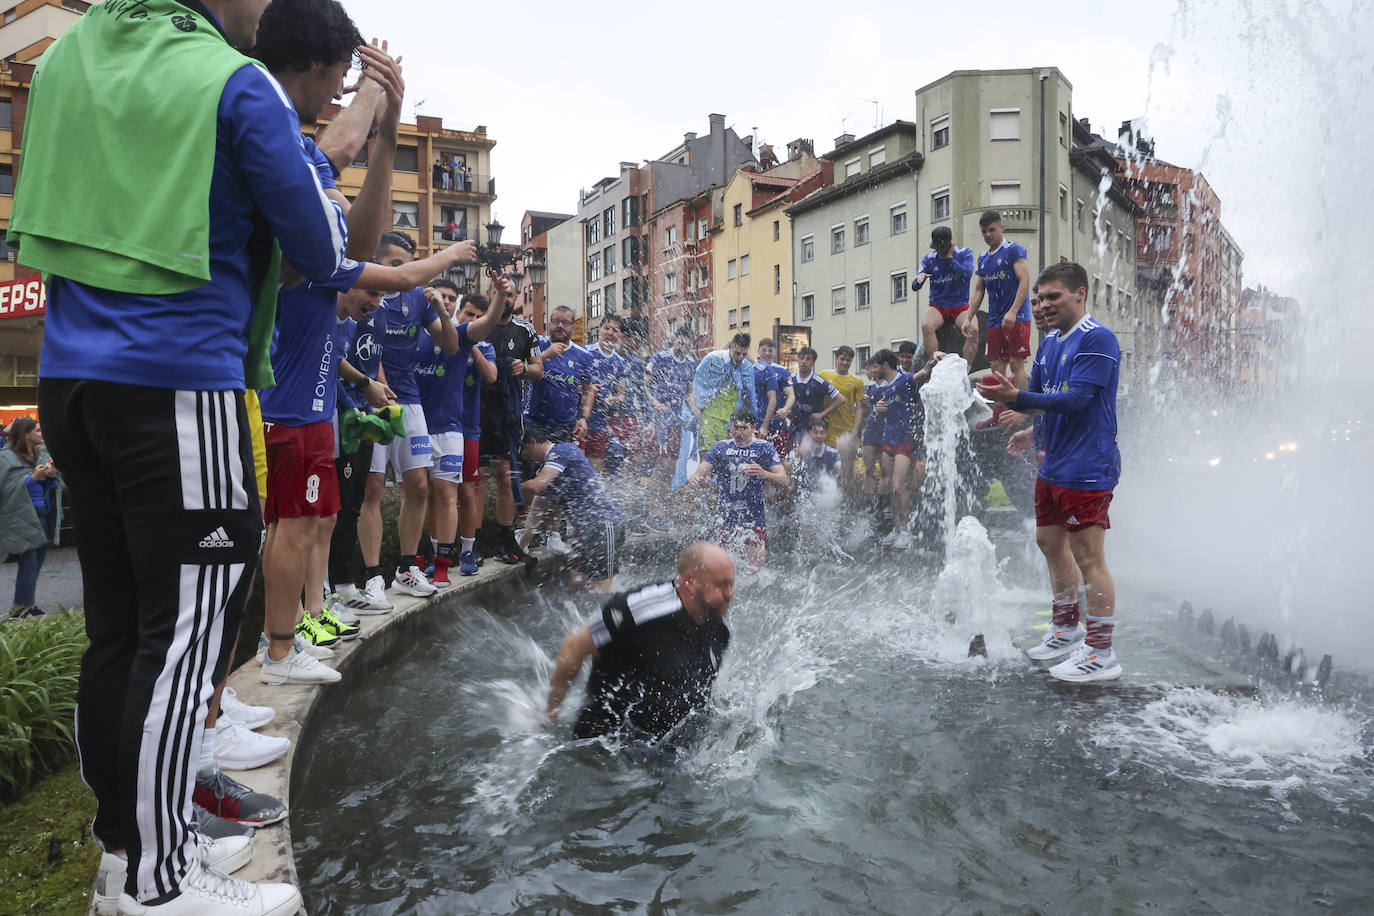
{"x":448,"y":456}
{"x":405,"y":454}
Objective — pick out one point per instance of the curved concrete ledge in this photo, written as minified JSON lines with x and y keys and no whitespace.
{"x":382,"y":636}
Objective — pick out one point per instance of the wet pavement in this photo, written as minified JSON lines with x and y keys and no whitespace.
{"x":59,"y":582}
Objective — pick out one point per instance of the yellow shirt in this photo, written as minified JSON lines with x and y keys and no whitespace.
{"x":841,"y":420}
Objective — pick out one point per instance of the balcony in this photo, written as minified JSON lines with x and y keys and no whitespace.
{"x":464,"y":185}
{"x":441,"y":237}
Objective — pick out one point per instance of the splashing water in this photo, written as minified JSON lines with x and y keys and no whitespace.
{"x":945,"y":397}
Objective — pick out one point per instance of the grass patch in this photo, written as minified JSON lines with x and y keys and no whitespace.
{"x":40,"y":662}
{"x":997,"y":496}
{"x":47,"y":857}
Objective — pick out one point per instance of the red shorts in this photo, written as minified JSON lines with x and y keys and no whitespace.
{"x":593,"y":444}
{"x":1072,"y":510}
{"x":950,"y":312}
{"x":907,"y":448}
{"x":782,"y":441}
{"x":301,"y":478}
{"x":672,"y":442}
{"x":741,"y":539}
{"x":471,"y":466}
{"x":638,"y":449}
{"x":1013,"y":344}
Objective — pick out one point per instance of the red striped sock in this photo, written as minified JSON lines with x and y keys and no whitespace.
{"x":1065,"y":614}
{"x":1100,"y":631}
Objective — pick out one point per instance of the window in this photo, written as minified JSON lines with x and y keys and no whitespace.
{"x":628,"y":290}
{"x":593,"y":231}
{"x":6,"y":252}
{"x":1063,"y":130}
{"x":744,"y":265}
{"x":1121,"y":242}
{"x":744,"y":315}
{"x":7,"y":184}
{"x":1079,"y":213}
{"x":608,"y":259}
{"x":808,"y":248}
{"x":1063,"y":202}
{"x":837,"y":240}
{"x":899,"y":287}
{"x":594,"y":304}
{"x":861,"y":231}
{"x":608,"y":222}
{"x":808,"y":307}
{"x":739,"y":214}
{"x":777,"y":230}
{"x":404,"y":213}
{"x":407,"y":160}
{"x":731,"y":271}
{"x":1111,"y":292}
{"x":939,"y":132}
{"x":6,"y":114}
{"x":702,"y":228}
{"x":837,"y":300}
{"x":705,"y":278}
{"x":10,"y":16}
{"x":777,"y":279}
{"x":1005,"y":193}
{"x":939,"y":204}
{"x":861,"y":355}
{"x":631,"y":214}
{"x":734,"y":318}
{"x":609,"y":298}
{"x":863,"y":295}
{"x":851,"y":168}
{"x":877,"y":157}
{"x":669,"y":286}
{"x":669,"y":237}
{"x":1107,"y":238}
{"x":1097,"y":290}
{"x":594,"y":267}
{"x":1004,"y":124}
{"x":898,"y":212}
{"x":629,"y":251}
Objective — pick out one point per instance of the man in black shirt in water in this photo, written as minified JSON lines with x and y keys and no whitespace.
{"x":655,"y":651}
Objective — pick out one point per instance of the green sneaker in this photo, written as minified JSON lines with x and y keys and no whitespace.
{"x":315,"y":633}
{"x":331,"y":622}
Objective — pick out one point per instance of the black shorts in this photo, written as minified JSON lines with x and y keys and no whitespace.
{"x":596,"y":550}
{"x":495,"y":442}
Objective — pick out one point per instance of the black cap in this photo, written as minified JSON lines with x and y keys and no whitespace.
{"x":940,"y":236}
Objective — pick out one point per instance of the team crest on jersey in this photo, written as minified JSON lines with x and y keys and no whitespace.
{"x":405,"y":310}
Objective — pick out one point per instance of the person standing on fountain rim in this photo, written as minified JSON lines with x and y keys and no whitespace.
{"x":655,"y":650}
{"x":1073,"y":381}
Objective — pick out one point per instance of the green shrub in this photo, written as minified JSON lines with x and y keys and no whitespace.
{"x":40,"y":661}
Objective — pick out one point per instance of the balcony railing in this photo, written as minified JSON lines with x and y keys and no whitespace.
{"x":442,"y":235}
{"x":456,"y":181}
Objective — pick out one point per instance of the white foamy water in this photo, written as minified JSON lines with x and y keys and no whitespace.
{"x":945,"y":397}
{"x":1277,"y":747}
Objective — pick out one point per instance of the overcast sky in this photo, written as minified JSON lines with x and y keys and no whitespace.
{"x":570,"y":91}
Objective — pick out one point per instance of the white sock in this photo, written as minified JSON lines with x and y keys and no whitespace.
{"x":467,"y":544}
{"x":207,"y":751}
{"x":348,"y":590}
{"x":434,"y":544}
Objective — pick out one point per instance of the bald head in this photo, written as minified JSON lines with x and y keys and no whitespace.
{"x":705,"y":581}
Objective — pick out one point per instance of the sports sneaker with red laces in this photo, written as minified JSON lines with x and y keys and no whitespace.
{"x":232,"y":800}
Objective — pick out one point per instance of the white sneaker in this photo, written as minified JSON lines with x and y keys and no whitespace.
{"x":903,"y":540}
{"x":241,"y":712}
{"x":558,"y":545}
{"x":297,"y":668}
{"x":372,"y":599}
{"x":321,"y":652}
{"x":413,"y":582}
{"x":1088,"y":664}
{"x":210,"y":892}
{"x":336,"y":603}
{"x":238,"y":748}
{"x":227,"y":854}
{"x":1058,"y":643}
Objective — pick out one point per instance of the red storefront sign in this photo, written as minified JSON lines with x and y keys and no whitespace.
{"x":22,"y":298}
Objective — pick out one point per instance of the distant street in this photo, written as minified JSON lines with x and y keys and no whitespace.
{"x":59,"y":584}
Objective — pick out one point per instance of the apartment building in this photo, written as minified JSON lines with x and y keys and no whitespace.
{"x":614,"y":253}
{"x":681,"y":244}
{"x":536,"y":227}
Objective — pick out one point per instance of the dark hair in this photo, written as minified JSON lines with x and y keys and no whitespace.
{"x":844,"y":350}
{"x":476,"y":300}
{"x":612,"y":318}
{"x":988,"y":218}
{"x":818,"y":421}
{"x":744,"y":415}
{"x":907,"y":346}
{"x":807,"y":351}
{"x":769,"y":342}
{"x":885,"y":358}
{"x":537,"y":434}
{"x":293,"y":34}
{"x":19,"y":435}
{"x":1067,"y":274}
{"x":394,"y":239}
{"x":445,"y":283}
{"x":563,"y":308}
{"x":740,"y":340}
{"x":685,"y":331}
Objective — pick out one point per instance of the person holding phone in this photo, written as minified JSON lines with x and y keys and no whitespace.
{"x":28,"y":492}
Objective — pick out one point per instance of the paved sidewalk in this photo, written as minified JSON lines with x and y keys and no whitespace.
{"x":59,"y":582}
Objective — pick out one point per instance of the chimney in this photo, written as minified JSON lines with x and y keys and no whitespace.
{"x":717,"y":123}
{"x":748,"y":141}
{"x":842,"y":139}
{"x":626,"y":166}
{"x":800,"y":149}
{"x":1085,"y":124}
{"x":688,"y":137}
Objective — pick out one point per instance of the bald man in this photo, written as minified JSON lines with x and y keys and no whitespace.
{"x":655,"y":651}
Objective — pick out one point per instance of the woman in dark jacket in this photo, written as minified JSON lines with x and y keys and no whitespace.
{"x":28,"y":493}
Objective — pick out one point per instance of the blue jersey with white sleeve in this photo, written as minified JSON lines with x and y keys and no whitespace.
{"x":811,"y":393}
{"x":197,"y":340}
{"x":1080,"y":446}
{"x":998,"y":270}
{"x":669,"y":380}
{"x":439,"y":379}
{"x":608,"y":372}
{"x":899,"y":421}
{"x":578,"y":487}
{"x":407,"y":314}
{"x":472,"y":392}
{"x":764,"y":382}
{"x":555,"y":401}
{"x":949,"y":277}
{"x":741,"y":496}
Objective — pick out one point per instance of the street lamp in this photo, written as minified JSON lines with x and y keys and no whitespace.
{"x":494,"y":230}
{"x":538,"y":268}
{"x":496,"y":257}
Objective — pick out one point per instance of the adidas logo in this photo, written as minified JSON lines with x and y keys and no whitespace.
{"x":1073,"y":520}
{"x":217,"y":538}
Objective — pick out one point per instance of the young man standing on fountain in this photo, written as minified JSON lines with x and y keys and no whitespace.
{"x":1004,"y":275}
{"x":1074,"y":383}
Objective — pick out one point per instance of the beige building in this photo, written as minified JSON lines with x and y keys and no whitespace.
{"x":28,"y":27}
